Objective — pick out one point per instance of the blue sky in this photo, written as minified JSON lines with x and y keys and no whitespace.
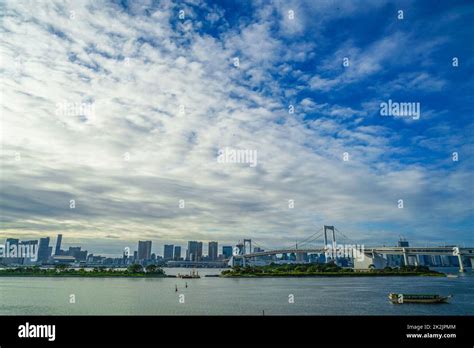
{"x":159,"y":95}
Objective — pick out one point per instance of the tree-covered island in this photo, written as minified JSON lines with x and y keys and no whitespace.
{"x":135,"y":270}
{"x":325,"y":270}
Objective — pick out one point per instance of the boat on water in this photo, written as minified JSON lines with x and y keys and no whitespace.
{"x":452,"y":276}
{"x":417,"y":298}
{"x":192,"y":275}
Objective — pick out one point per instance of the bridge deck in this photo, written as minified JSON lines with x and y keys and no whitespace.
{"x":370,"y":250}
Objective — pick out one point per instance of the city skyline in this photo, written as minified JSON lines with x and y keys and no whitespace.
{"x":222,"y":121}
{"x":17,"y":252}
{"x":155,"y":248}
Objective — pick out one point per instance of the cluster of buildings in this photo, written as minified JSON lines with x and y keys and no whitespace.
{"x":40,"y":252}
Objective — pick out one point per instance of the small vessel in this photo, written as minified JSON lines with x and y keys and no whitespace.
{"x":452,"y":276}
{"x":186,"y":285}
{"x":176,"y":288}
{"x":417,"y":298}
{"x":192,"y":275}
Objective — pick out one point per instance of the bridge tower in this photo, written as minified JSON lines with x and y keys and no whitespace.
{"x":249,"y":250}
{"x":331,"y":229}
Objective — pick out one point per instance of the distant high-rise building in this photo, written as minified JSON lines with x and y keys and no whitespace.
{"x":77,"y":253}
{"x":57,"y":251}
{"x":29,"y":245}
{"x":212,"y":251}
{"x":11,"y":249}
{"x":144,"y":250}
{"x":301,"y":257}
{"x":168,"y":252}
{"x":194,"y":252}
{"x":227,"y":252}
{"x":177,"y":252}
{"x":43,"y":249}
{"x":12,"y":241}
{"x":403,"y":243}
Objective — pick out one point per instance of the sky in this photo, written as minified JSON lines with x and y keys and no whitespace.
{"x":114,"y":114}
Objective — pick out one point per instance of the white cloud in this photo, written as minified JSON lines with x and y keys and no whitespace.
{"x":141,"y":74}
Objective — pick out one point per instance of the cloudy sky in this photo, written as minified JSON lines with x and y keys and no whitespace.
{"x":114,"y":113}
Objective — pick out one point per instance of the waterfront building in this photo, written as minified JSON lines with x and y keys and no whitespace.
{"x":63,"y":259}
{"x":177,"y":253}
{"x":375,"y":261}
{"x":12,"y":241}
{"x":11,"y":252}
{"x":212,"y":251}
{"x":227,"y":251}
{"x":302,"y":257}
{"x":403,"y":243}
{"x":436,"y":260}
{"x":144,"y":250}
{"x":77,"y":253}
{"x":194,"y":252}
{"x":168,"y":252}
{"x":43,"y":250}
{"x":57,"y":251}
{"x":31,"y":245}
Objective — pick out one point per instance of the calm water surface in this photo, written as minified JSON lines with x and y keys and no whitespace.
{"x":220,"y":296}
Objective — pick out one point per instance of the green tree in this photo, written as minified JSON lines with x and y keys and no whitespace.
{"x":151,"y":268}
{"x":61,"y":267}
{"x":135,"y":268}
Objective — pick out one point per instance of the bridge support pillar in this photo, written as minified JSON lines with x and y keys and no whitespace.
{"x":405,"y":257}
{"x":461,"y":265}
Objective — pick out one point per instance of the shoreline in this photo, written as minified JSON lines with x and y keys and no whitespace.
{"x":84,"y":276}
{"x":329,"y":274}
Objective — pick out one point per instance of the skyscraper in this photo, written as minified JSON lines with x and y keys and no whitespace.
{"x":43,"y":249}
{"x":32,"y":246}
{"x":77,"y":253}
{"x":403,"y":243}
{"x":194,"y":252}
{"x":58,"y":245}
{"x":168,"y":252}
{"x":11,"y":245}
{"x":144,"y":250}
{"x":212,"y":251}
{"x":177,"y":252}
{"x":227,"y":251}
{"x":12,"y":241}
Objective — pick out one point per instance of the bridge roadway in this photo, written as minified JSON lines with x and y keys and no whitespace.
{"x":405,"y":251}
{"x":370,"y":250}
